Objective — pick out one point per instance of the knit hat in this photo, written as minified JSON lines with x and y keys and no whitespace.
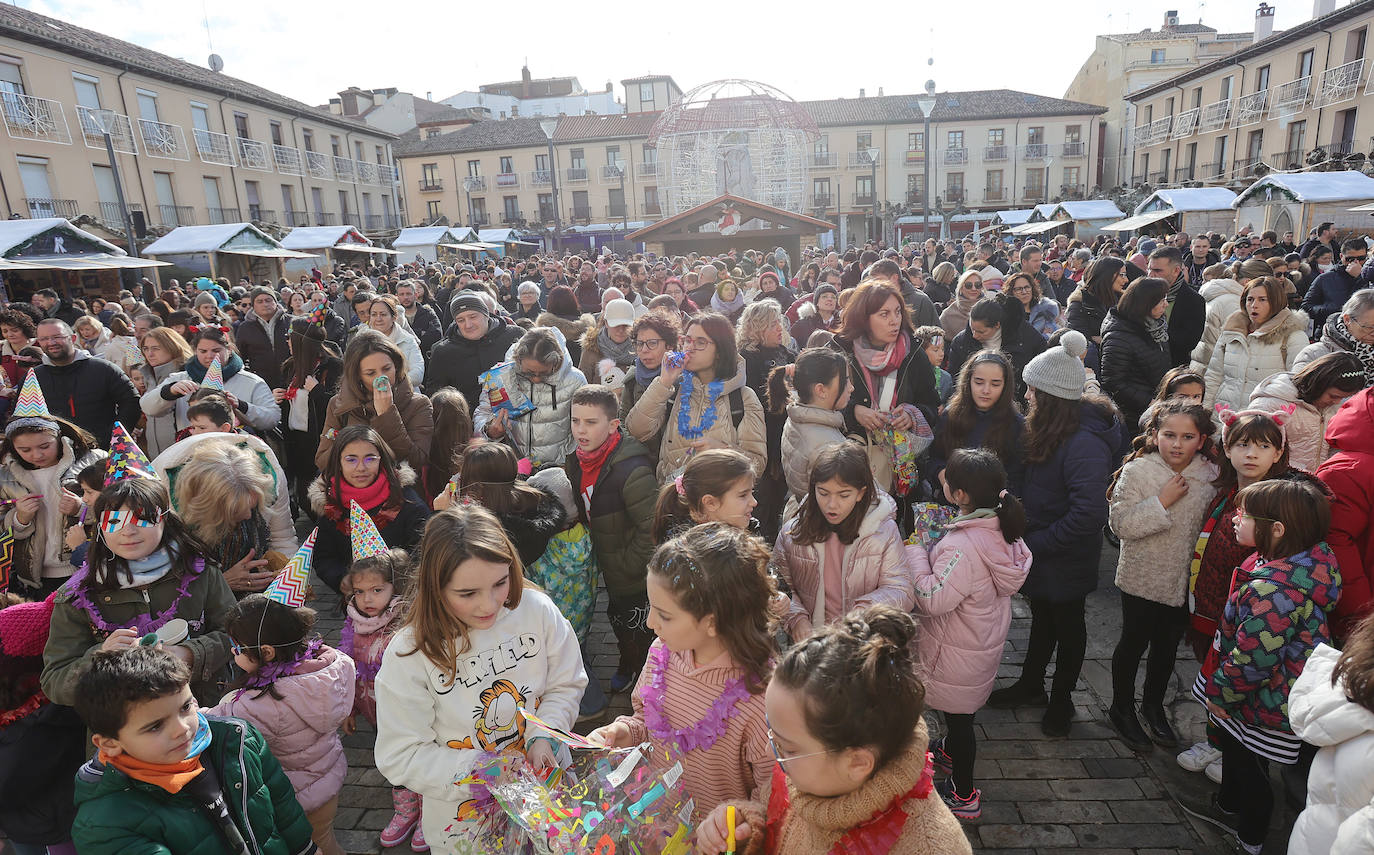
{"x":367,"y":541}
{"x":827,"y":288}
{"x":554,"y":481}
{"x":289,"y":586}
{"x":205,"y":298}
{"x":30,"y":409}
{"x":1059,"y":371}
{"x":24,"y":628}
{"x":467,"y":301}
{"x":768,"y":271}
{"x":528,"y":288}
{"x":214,"y":376}
{"x":1148,"y":246}
{"x":127,"y":460}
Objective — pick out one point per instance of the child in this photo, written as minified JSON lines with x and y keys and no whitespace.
{"x":820,"y":377}
{"x":702,"y":687}
{"x":1179,"y":382}
{"x":166,"y":774}
{"x":963,"y":595}
{"x":312,"y":374}
{"x":845,"y":723}
{"x":210,"y":414}
{"x":452,"y":432}
{"x":612,"y":474}
{"x":981,"y":414}
{"x":476,"y":647}
{"x":491,"y":476}
{"x":931,"y":339}
{"x":296,"y":691}
{"x":1276,"y":614}
{"x":144,"y":571}
{"x":716,"y":486}
{"x":82,"y":532}
{"x":843,"y":548}
{"x":1159,"y":498}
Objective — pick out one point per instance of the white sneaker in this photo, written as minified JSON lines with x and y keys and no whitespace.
{"x":1199,"y":757}
{"x":1214,"y":771}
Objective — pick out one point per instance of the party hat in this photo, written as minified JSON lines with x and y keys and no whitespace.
{"x":367,"y":541}
{"x":317,"y":315}
{"x":214,"y":377}
{"x":30,"y":404}
{"x":127,"y":460}
{"x":290,"y":585}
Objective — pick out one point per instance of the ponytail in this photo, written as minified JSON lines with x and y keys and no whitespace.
{"x":670,"y":511}
{"x":777,"y":391}
{"x":979,"y":473}
{"x":710,"y":473}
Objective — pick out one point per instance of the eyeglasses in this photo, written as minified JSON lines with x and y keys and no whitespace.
{"x":696,"y":343}
{"x":648,"y":343}
{"x":1242,"y":515}
{"x":113,"y":521}
{"x":783,"y":761}
{"x":368,"y":460}
{"x":1354,"y":322}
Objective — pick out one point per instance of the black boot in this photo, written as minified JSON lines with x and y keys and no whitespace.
{"x":1157,"y":726}
{"x":1019,"y":694}
{"x":1125,"y":723}
{"x":1058,"y":718}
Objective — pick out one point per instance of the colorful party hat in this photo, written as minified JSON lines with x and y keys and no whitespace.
{"x":214,"y":377}
{"x":317,"y":315}
{"x":290,"y":585}
{"x":127,"y":460}
{"x":367,"y":541}
{"x":30,"y":404}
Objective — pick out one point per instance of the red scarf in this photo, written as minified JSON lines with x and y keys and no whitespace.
{"x":591,"y":462}
{"x":369,"y":497}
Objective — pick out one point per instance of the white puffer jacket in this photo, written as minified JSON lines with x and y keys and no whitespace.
{"x":1241,"y":360}
{"x":545,"y":435}
{"x":1305,"y":428}
{"x":807,"y":431}
{"x":1223,"y":298}
{"x":1339,"y":817}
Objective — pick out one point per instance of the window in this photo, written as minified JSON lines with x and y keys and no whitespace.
{"x":147,"y":105}
{"x":1073,"y":133}
{"x":1226,"y":83}
{"x":1035,"y":136}
{"x":916,"y":141}
{"x":617,"y":207}
{"x":1254,"y":149}
{"x":288,"y":198}
{"x":997,"y":136}
{"x":343,"y":204}
{"x":33,"y":173}
{"x":474,"y":169}
{"x":11,"y":81}
{"x":358,"y":151}
{"x":863,"y":190}
{"x":864,"y":140}
{"x":651,"y":200}
{"x":1354,"y":44}
{"x":212,"y":200}
{"x":429,"y":175}
{"x":241,"y":126}
{"x":578,"y":158}
{"x":1304,"y":64}
{"x":646,"y":95}
{"x":1156,"y":56}
{"x":1296,"y":133}
{"x":581,"y":207}
{"x":613,"y":156}
{"x":1219,"y":155}
{"x":166,"y":199}
{"x":1164,"y":158}
{"x":334,"y":145}
{"x":250,"y":192}
{"x":1169,"y":106}
{"x":821,"y":148}
{"x":1197,"y":97}
{"x":274,"y":129}
{"x":367,"y":199}
{"x":1345,"y":128}
{"x":87,"y":91}
{"x":434,"y":210}
{"x":200,"y":117}
{"x":507,"y":165}
{"x":1149,"y":113}
{"x":955,"y":139}
{"x":381,"y":154}
{"x":992,"y":186}
{"x":820,"y":191}
{"x":545,"y":206}
{"x":317,"y":198}
{"x":510,"y":208}
{"x":954,"y":186}
{"x":1144,"y":168}
{"x":1071,"y":177}
{"x":1262,"y":79}
{"x":308,"y":138}
{"x":108,"y":195}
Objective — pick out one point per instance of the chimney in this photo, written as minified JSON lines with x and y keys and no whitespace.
{"x":861,"y":93}
{"x":1323,"y":7}
{"x":429,"y":96}
{"x":880,"y":91}
{"x":1264,"y":20}
{"x":1170,"y":19}
{"x":609,"y":86}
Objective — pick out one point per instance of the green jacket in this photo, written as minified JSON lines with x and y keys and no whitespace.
{"x":116,"y":815}
{"x":71,"y":634}
{"x":621,"y":516}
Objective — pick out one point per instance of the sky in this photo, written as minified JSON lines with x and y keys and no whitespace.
{"x":309,"y":49}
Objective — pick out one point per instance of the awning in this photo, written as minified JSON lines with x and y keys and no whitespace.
{"x":1134,"y":222}
{"x":101,"y":261}
{"x":1037,"y":228}
{"x":7,"y":264}
{"x":985,"y":229}
{"x":362,"y":247}
{"x":1369,"y":207}
{"x":269,"y":252}
{"x":465,"y":247}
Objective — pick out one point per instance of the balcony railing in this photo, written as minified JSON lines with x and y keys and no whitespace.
{"x":367,"y":172}
{"x":431,"y":185}
{"x":617,"y":212}
{"x":1185,"y":123}
{"x":611,"y":174}
{"x":545,"y":213}
{"x":378,"y":222}
{"x":509,"y":216}
{"x":820,"y":201}
{"x":112,"y":218}
{"x":1291,"y":96}
{"x":121,"y":131}
{"x":259,"y":214}
{"x":915,"y":156}
{"x":318,"y":165}
{"x":164,"y":140}
{"x":482,"y":219}
{"x":915,"y":197}
{"x":1074,"y":149}
{"x":1339,"y":148}
{"x":823,"y":159}
{"x":350,"y":218}
{"x":581,"y":212}
{"x":39,"y":208}
{"x":1162,"y":176}
{"x":541,"y":178}
{"x":508,"y":179}
{"x":296,"y":219}
{"x":1212,"y":171}
{"x":863,"y":200}
{"x":1033,"y":192}
{"x":387,"y":174}
{"x":1338,"y":84}
{"x":646,"y":169}
{"x":994,"y":152}
{"x":176,"y":215}
{"x":575,"y":175}
{"x":860,"y":160}
{"x":1250,"y":109}
{"x":653,"y":209}
{"x":1152,"y":133}
{"x":1244,"y":167}
{"x":325,"y":218}
{"x":343,"y":168}
{"x":1287,"y":159}
{"x":1214,"y":116}
{"x":1035,"y":151}
{"x":287,"y":160}
{"x":954,"y":194}
{"x":1185,"y":173}
{"x":474,"y":183}
{"x":28,"y":117}
{"x":1073,"y":191}
{"x":253,"y":155}
{"x":954,"y":156}
{"x":219,"y":216}
{"x":994,"y":194}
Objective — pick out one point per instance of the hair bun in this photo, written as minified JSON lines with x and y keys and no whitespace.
{"x":1074,"y":343}
{"x":882,"y":627}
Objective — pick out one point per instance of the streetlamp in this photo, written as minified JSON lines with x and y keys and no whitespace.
{"x":873,"y":155}
{"x":927,"y":104}
{"x":104,"y":122}
{"x":548,"y":126}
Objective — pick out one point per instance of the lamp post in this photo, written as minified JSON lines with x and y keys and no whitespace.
{"x":104,"y":121}
{"x":548,"y":126}
{"x":877,"y":229}
{"x":927,"y":104}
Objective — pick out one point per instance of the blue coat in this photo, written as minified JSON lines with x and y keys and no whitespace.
{"x":1066,"y":507}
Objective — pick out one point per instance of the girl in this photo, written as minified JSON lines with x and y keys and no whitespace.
{"x":490,"y":475}
{"x":982,"y":414}
{"x":845,"y":724}
{"x":452,"y":433}
{"x":963,"y":594}
{"x":164,"y":353}
{"x":1158,"y":499}
{"x":361,"y":469}
{"x":296,"y":691}
{"x":843,"y":547}
{"x":245,"y":390}
{"x":1042,"y":312}
{"x":715,"y":486}
{"x":931,"y":340}
{"x":1315,"y":392}
{"x":400,"y":414}
{"x":820,"y":378}
{"x":1276,"y":614}
{"x":1135,"y":347}
{"x":1222,"y":296}
{"x":475,"y":648}
{"x":1261,"y":338}
{"x":702,"y":687}
{"x":1178,"y":383}
{"x":820,"y":312}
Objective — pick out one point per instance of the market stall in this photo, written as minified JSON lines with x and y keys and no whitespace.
{"x":50,"y":252}
{"x":431,"y":243}
{"x":231,"y":250}
{"x":1181,"y":209}
{"x":334,"y":244}
{"x":1085,"y":217}
{"x":1297,"y":201}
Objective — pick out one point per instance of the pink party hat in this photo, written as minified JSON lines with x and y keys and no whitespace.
{"x":214,"y":377}
{"x":30,"y":404}
{"x":290,"y":585}
{"x":367,"y":541}
{"x":127,"y":460}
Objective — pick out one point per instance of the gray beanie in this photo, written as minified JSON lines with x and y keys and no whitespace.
{"x":554,"y":481}
{"x":1059,"y":371}
{"x":205,"y":298}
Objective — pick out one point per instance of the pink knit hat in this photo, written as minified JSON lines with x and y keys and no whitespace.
{"x":24,"y":628}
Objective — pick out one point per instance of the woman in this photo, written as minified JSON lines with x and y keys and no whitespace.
{"x":728,"y":300}
{"x":609,"y":338}
{"x":232,"y":494}
{"x":1315,"y":393}
{"x":763,"y":342}
{"x":1102,"y":286}
{"x":539,"y":379}
{"x":401,"y":416}
{"x":1350,"y":330}
{"x":1072,"y":443}
{"x":893,"y":387}
{"x":675,"y":288}
{"x":1135,"y":348}
{"x":1263,"y":337}
{"x":822,"y":312}
{"x":1223,"y":299}
{"x":94,"y":338}
{"x":655,"y":335}
{"x":245,"y":390}
{"x":805,"y":281}
{"x":361,"y":468}
{"x":713,"y":407}
{"x":563,"y":315}
{"x":955,"y":316}
{"x":207,"y":309}
{"x":296,"y":305}
{"x":1041,"y":311}
{"x":164,"y":353}
{"x":382,"y":316}
{"x":771,"y":288}
{"x":1348,"y":473}
{"x":940,"y":284}
{"x":18,"y":331}
{"x":997,"y":322}
{"x":314,"y":369}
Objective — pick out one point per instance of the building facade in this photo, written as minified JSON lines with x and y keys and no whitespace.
{"x":1294,"y":100}
{"x":193,"y":146}
{"x":531,"y":96}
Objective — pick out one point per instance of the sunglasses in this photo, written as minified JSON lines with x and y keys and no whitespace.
{"x":113,"y":521}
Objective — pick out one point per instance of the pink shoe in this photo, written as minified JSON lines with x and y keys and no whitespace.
{"x":407,"y":817}
{"x":417,"y":841}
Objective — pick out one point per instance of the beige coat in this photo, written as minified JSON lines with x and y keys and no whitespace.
{"x":807,"y":431}
{"x":1157,"y":544}
{"x":651,"y":413}
{"x":1223,"y":298}
{"x":1305,"y":428}
{"x":1242,"y":359}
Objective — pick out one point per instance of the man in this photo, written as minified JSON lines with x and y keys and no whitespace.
{"x":53,"y":306}
{"x":86,"y":389}
{"x":475,"y":342}
{"x":706,"y":285}
{"x":1326,"y":236}
{"x":1200,"y":258}
{"x":143,"y":323}
{"x":922,"y":310}
{"x":1031,"y":260}
{"x":422,"y":319}
{"x":1186,"y":312}
{"x":1242,"y":249}
{"x":1060,"y":248}
{"x":1180,"y":240}
{"x":262,"y":336}
{"x":552,"y":278}
{"x":1331,"y":289}
{"x":343,"y":304}
{"x":587,"y":292}
{"x":1269,"y":239}
{"x":1287,"y":244}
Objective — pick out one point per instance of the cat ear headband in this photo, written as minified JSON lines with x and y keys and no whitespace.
{"x":1280,"y":417}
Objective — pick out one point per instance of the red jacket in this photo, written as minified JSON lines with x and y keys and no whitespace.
{"x":1350,"y":475}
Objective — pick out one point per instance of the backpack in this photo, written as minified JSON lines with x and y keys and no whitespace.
{"x":736,"y":405}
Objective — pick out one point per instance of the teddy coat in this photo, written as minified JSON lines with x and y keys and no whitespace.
{"x":399,"y":527}
{"x":652,"y":414}
{"x":1157,"y":542}
{"x":49,"y":525}
{"x":407,"y":426}
{"x":1349,"y":473}
{"x":302,"y":728}
{"x":545,"y":434}
{"x":1306,"y":425}
{"x":876,"y":569}
{"x":1223,"y":300}
{"x":963,"y":597}
{"x":808,"y":429}
{"x":1242,"y":359}
{"x":1339,"y":817}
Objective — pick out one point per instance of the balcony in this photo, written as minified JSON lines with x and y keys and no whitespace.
{"x":1250,"y":109}
{"x":28,"y":117}
{"x":1214,"y":116}
{"x":1185,"y":173}
{"x":509,"y":216}
{"x":172,"y":216}
{"x":39,"y":208}
{"x":431,"y":185}
{"x":343,"y":168}
{"x":612,"y":174}
{"x":480,"y":219}
{"x":647,"y":169}
{"x":915,"y":156}
{"x":954,"y":156}
{"x":1073,"y":149}
{"x":287,"y":160}
{"x":617,"y":212}
{"x":546,"y":213}
{"x":541,"y":178}
{"x":860,"y":160}
{"x":821,"y":202}
{"x":1290,"y":97}
{"x":995,"y":152}
{"x":954,"y":195}
{"x":994,"y":194}
{"x":1035,"y":151}
{"x":508,"y":179}
{"x":367,"y":172}
{"x":219,"y":216}
{"x":1244,"y":167}
{"x":1338,"y":84}
{"x":111,"y":216}
{"x":1152,"y":133}
{"x":349,"y":218}
{"x":296,"y":219}
{"x":164,"y":140}
{"x":1073,"y":191}
{"x":1212,"y":171}
{"x":575,"y":175}
{"x":259,"y":214}
{"x":581,"y":213}
{"x":823,"y":160}
{"x":654,"y":209}
{"x":379,"y":222}
{"x":121,"y":131}
{"x":1033,"y":193}
{"x":387,"y":174}
{"x":863,"y":200}
{"x":474,"y":183}
{"x":318,"y":165}
{"x":1185,"y":123}
{"x":324,"y":218}
{"x":1288,"y":159}
{"x":1161,"y":177}
{"x":253,"y":155}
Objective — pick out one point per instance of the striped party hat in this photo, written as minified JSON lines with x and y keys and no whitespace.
{"x":367,"y":541}
{"x":127,"y":460}
{"x":30,"y":404}
{"x":290,"y":585}
{"x":214,"y":377}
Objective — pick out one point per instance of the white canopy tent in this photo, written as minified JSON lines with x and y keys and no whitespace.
{"x":223,"y":249}
{"x":52,"y":252}
{"x":425,"y":241}
{"x":328,"y":240}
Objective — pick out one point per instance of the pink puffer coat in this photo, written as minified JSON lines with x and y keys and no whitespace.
{"x":302,"y":728}
{"x":964,"y":599}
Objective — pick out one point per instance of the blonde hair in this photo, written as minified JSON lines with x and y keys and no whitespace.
{"x":221,"y":477}
{"x":756,"y":319}
{"x":172,"y":342}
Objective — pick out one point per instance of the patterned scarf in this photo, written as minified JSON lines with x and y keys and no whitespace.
{"x":1158,"y":328}
{"x":1339,"y":332}
{"x":623,"y":352}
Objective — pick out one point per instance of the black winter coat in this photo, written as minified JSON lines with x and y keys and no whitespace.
{"x":426,"y":327}
{"x":915,"y":385}
{"x":329,"y":373}
{"x":1086,"y":314}
{"x":93,"y":393}
{"x":1133,"y":363}
{"x":39,"y":756}
{"x":1187,"y":317}
{"x":262,"y":355}
{"x":456,"y":361}
{"x":531,"y":532}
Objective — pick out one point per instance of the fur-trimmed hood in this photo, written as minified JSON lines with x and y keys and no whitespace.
{"x":318,"y":499}
{"x":572,"y":330}
{"x":1284,"y":323}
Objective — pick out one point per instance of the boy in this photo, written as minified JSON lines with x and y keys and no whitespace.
{"x":613,"y":477}
{"x":210,"y":414}
{"x":166,"y":777}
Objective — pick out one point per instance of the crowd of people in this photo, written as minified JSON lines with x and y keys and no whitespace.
{"x":810,"y":490}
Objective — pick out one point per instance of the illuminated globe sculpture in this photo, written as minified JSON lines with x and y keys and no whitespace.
{"x":733,"y":136}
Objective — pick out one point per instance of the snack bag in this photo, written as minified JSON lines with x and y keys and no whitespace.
{"x":496,"y":392}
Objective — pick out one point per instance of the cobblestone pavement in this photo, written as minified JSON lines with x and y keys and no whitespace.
{"x":1041,"y":795}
